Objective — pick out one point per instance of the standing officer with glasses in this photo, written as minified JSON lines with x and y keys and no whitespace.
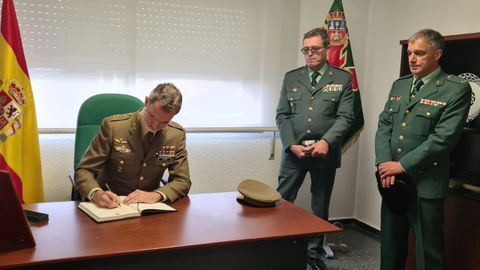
{"x":314,"y":113}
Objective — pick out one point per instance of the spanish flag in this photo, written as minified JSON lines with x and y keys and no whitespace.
{"x":19,"y":147}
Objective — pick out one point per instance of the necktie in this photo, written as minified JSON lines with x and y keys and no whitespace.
{"x":147,"y":141}
{"x":416,"y":88}
{"x":315,"y":74}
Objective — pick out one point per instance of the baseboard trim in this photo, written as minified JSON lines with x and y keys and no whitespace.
{"x":357,"y":224}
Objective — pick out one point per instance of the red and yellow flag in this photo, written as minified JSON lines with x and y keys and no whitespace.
{"x":19,"y":147}
{"x":340,"y":55}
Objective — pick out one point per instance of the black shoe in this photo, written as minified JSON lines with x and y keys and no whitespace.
{"x":316,"y":264}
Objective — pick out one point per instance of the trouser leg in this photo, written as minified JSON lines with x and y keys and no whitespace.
{"x":289,"y":182}
{"x":321,"y":189}
{"x":427,"y":223}
{"x":393,"y":239}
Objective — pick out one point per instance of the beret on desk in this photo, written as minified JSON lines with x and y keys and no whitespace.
{"x":256,"y":193}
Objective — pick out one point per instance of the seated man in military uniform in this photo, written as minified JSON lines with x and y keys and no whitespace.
{"x":131,"y":152}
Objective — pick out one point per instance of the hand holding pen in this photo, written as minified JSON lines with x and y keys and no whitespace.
{"x":106,"y":199}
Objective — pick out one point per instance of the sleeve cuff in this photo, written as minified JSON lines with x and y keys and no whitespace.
{"x":164,"y":198}
{"x":91,"y":193}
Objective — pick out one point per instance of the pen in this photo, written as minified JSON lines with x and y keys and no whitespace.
{"x":108,"y":188}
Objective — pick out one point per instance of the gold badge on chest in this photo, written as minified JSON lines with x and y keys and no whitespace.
{"x":121,"y":146}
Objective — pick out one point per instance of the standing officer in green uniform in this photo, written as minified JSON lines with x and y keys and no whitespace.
{"x":131,"y":152}
{"x":314,"y":113}
{"x":421,"y":123}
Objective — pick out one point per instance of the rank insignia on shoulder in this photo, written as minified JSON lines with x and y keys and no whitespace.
{"x":430,"y":102}
{"x":395,"y":98}
{"x":332,"y":88}
{"x":122,"y":148}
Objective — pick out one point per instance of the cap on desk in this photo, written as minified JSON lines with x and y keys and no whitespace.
{"x":257,"y":194}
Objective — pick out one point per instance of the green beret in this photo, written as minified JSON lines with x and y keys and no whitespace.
{"x":258,"y":194}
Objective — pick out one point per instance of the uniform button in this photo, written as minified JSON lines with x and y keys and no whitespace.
{"x":333,"y":99}
{"x":308,"y":131}
{"x":399,"y":150}
{"x":391,"y":110}
{"x":435,"y":163}
{"x":407,"y":111}
{"x":401,"y":138}
{"x":428,"y":113}
{"x":420,"y":172}
{"x":404,"y":124}
{"x":310,"y":108}
{"x":312,"y":98}
{"x":121,"y":162}
{"x":141,"y":178}
{"x":144,"y":164}
{"x":164,"y":164}
{"x":309,"y":119}
{"x":291,"y":98}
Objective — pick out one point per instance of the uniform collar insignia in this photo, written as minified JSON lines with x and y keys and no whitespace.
{"x":395,"y":98}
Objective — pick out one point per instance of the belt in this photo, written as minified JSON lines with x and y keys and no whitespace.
{"x":308,"y":142}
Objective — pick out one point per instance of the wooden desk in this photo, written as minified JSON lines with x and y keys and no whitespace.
{"x":209,"y":231}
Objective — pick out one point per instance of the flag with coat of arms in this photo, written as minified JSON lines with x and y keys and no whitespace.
{"x":340,"y":55}
{"x":19,"y":146}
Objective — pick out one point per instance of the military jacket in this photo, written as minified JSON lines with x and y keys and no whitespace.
{"x":421,"y":133}
{"x":116,"y":156}
{"x":313,"y":113}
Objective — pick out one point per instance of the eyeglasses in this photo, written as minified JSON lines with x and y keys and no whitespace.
{"x":314,"y":50}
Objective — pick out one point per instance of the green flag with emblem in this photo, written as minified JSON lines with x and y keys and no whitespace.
{"x":340,"y":55}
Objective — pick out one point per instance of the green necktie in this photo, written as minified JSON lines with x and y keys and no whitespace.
{"x":416,"y":88}
{"x":315,"y":75}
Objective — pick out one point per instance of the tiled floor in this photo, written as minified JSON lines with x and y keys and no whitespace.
{"x":363,"y":250}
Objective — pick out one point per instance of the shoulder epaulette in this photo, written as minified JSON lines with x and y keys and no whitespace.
{"x":405,"y":77}
{"x":176,"y":125}
{"x":456,"y":79}
{"x":295,"y":70}
{"x":341,"y":69}
{"x":120,"y":117}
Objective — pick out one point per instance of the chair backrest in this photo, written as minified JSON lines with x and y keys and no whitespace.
{"x":91,"y":114}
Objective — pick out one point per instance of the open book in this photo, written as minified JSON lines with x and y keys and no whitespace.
{"x":123,"y":211}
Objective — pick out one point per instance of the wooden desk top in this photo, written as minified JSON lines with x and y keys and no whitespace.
{"x":201,"y":220}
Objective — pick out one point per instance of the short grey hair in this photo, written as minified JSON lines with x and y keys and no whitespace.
{"x":434,"y":38}
{"x":168,"y":95}
{"x":318,"y":32}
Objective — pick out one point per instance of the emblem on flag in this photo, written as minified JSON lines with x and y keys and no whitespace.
{"x":11,"y":109}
